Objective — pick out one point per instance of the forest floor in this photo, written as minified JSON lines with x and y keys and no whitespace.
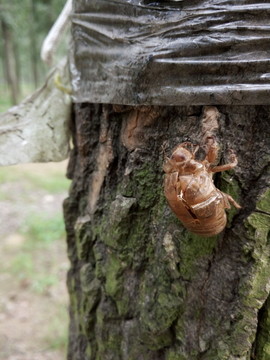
{"x":33,"y":262}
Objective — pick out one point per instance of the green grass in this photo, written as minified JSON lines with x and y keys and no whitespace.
{"x":24,"y":268}
{"x":34,"y":266}
{"x":41,"y":282}
{"x":35,"y":260}
{"x":54,"y":183}
{"x":22,"y":265}
{"x":40,"y":231}
{"x":57,"y":334}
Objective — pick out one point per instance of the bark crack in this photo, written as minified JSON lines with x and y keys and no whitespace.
{"x":257,"y":343}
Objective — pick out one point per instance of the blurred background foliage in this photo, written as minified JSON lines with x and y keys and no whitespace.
{"x":24,"y":25}
{"x":33,"y":260}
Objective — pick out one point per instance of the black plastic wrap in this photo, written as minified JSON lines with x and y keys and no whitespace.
{"x":186,"y":52}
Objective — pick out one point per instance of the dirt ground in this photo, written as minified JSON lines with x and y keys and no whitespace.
{"x":33,"y":263}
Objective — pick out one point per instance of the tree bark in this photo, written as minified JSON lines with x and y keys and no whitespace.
{"x":141,"y":286}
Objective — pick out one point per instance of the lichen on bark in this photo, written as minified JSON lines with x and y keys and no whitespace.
{"x":141,"y":286}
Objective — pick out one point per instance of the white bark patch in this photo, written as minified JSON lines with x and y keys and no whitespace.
{"x":37,"y":130}
{"x":171,"y":251}
{"x":135,"y":126}
{"x":210,"y":121}
{"x":120,"y":208}
{"x":103,"y":160}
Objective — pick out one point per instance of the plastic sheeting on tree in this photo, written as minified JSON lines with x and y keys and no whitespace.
{"x":37,"y":130}
{"x":171,"y":52}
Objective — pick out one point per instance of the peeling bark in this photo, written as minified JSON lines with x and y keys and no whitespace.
{"x":141,"y":286}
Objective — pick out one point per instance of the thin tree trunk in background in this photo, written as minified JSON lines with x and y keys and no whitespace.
{"x":51,"y":14}
{"x":10,"y":62}
{"x":3,"y":62}
{"x":33,"y":42}
{"x":141,"y":286}
{"x":18,"y":68}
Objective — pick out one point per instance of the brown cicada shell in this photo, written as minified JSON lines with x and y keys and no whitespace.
{"x":190,"y":190}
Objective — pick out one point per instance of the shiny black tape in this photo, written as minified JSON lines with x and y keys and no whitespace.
{"x":186,"y":52}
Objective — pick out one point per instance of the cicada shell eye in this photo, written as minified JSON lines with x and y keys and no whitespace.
{"x":181,"y":155}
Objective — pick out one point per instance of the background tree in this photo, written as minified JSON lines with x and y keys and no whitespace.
{"x":24,"y":25}
{"x":9,"y":59}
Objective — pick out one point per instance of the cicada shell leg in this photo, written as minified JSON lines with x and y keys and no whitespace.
{"x":211,"y":148}
{"x":191,"y":147}
{"x":232,"y":164}
{"x":229,"y":200}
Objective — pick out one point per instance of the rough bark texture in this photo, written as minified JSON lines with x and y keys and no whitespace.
{"x":141,"y":286}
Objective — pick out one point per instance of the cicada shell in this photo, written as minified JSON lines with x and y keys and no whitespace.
{"x":190,"y":190}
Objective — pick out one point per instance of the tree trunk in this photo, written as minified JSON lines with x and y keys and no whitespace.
{"x":10,"y":65}
{"x":141,"y":286}
{"x":33,"y":42}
